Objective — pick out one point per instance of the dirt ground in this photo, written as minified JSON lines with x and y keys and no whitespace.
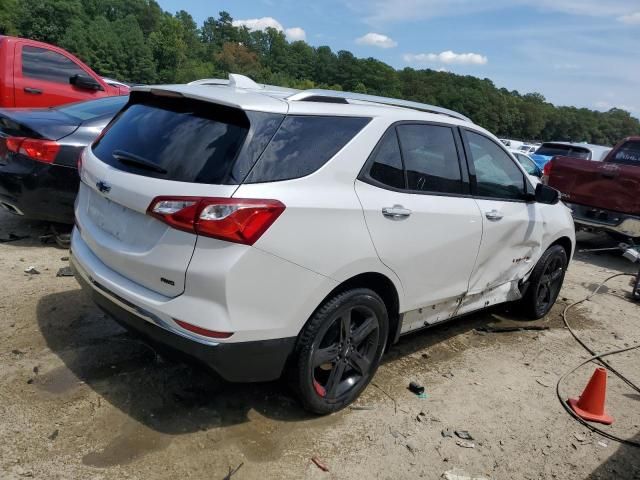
{"x":80,"y":398}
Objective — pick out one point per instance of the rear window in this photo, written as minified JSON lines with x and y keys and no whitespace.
{"x":175,"y":139}
{"x":629,"y":154}
{"x":551,"y":150}
{"x":102,"y":107}
{"x":302,"y":145}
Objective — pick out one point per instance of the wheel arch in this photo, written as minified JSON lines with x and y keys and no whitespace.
{"x":384,"y":287}
{"x":566,"y":243}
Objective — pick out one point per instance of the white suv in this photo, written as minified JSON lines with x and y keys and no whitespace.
{"x":260,"y":229}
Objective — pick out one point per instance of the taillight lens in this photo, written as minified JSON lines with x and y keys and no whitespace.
{"x":232,"y":219}
{"x":44,"y":151}
{"x":546,"y":171}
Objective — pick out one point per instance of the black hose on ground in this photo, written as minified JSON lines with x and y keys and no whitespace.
{"x":599,"y":358}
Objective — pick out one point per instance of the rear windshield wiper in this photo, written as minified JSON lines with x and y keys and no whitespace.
{"x":136,"y":160}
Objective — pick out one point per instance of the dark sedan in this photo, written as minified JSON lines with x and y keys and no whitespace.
{"x":39,"y":152}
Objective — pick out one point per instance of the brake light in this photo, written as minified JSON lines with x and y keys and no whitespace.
{"x":44,"y":151}
{"x":232,"y":219}
{"x":546,"y":171}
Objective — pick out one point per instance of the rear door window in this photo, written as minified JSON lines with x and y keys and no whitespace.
{"x":175,"y":139}
{"x":302,"y":145}
{"x":48,"y":65}
{"x":430,"y":158}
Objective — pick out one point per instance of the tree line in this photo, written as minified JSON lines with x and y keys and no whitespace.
{"x":136,"y":41}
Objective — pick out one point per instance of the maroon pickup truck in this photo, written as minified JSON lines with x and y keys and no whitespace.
{"x":602,"y":195}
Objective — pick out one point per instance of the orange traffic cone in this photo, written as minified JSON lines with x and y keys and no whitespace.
{"x":590,"y":405}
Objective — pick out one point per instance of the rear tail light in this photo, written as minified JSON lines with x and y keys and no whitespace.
{"x":44,"y":151}
{"x":546,"y":171}
{"x":232,"y":219}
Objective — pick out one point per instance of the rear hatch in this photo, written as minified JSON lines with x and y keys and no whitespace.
{"x":160,"y":145}
{"x":611,"y":185}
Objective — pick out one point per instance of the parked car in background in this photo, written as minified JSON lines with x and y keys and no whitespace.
{"x":585,"y":151}
{"x":36,"y":74}
{"x":526,"y":148}
{"x":528,"y":164}
{"x":39,"y":151}
{"x":602,"y":195}
{"x":254,"y":228}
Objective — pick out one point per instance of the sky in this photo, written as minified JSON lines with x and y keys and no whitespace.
{"x":575,"y":52}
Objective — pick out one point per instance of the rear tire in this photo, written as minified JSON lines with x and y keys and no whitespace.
{"x":545,"y":283}
{"x":339,"y":350}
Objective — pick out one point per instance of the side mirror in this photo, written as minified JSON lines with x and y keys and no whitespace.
{"x":546,"y":194}
{"x":85,"y":81}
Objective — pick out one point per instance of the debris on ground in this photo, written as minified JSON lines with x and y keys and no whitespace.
{"x":412,"y":447}
{"x":458,"y":474}
{"x":54,"y":435}
{"x":32,"y":270}
{"x":416,"y":388}
{"x":490,"y":329}
{"x":447,"y":432}
{"x":543,"y":383}
{"x":15,"y":351}
{"x":232,"y":472}
{"x":64,"y":259}
{"x":465,"y":444}
{"x":319,"y":464}
{"x":603,"y":444}
{"x":463,"y":434}
{"x":65,"y":272}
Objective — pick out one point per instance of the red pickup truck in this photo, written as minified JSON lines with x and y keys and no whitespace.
{"x":36,"y":74}
{"x":602,"y":195}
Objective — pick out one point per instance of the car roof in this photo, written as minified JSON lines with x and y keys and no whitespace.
{"x":590,"y":146}
{"x":242,"y":92}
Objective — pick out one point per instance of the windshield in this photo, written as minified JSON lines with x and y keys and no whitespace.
{"x":84,"y":111}
{"x":629,"y":154}
{"x":553,"y":149}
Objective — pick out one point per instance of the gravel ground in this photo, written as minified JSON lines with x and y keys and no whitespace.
{"x":82,"y":399}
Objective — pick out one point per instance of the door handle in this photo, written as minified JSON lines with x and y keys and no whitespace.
{"x":33,"y":91}
{"x":396,"y":212}
{"x":493,"y":215}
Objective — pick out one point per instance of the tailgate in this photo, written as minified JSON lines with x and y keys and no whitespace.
{"x":154,"y":148}
{"x":604,"y":185}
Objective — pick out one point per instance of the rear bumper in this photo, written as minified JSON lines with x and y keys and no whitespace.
{"x":39,"y":191}
{"x":253,"y":361}
{"x":606,"y":220}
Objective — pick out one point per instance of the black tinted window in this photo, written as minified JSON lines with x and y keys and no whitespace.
{"x":302,"y":145}
{"x":386,"y":166}
{"x":177,"y":139}
{"x":553,"y":149}
{"x":497,"y":176}
{"x":103,"y":107}
{"x":48,"y":65}
{"x":430,"y":158}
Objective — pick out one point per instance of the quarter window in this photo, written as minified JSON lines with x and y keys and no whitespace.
{"x":430,"y":158}
{"x":497,"y":176}
{"x":48,"y":65}
{"x":302,"y":145}
{"x":386,"y":167}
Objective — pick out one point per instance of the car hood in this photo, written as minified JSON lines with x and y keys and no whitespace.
{"x":40,"y":122}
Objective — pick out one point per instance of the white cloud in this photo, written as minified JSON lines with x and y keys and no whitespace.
{"x":631,"y":19}
{"x":447,"y":57}
{"x":295,"y":33}
{"x":376,"y":40}
{"x":263,"y":23}
{"x":254,"y":24}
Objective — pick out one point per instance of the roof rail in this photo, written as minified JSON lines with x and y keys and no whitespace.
{"x":313,"y":95}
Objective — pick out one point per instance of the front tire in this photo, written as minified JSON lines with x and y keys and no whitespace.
{"x":545,"y":283}
{"x":339,"y":350}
